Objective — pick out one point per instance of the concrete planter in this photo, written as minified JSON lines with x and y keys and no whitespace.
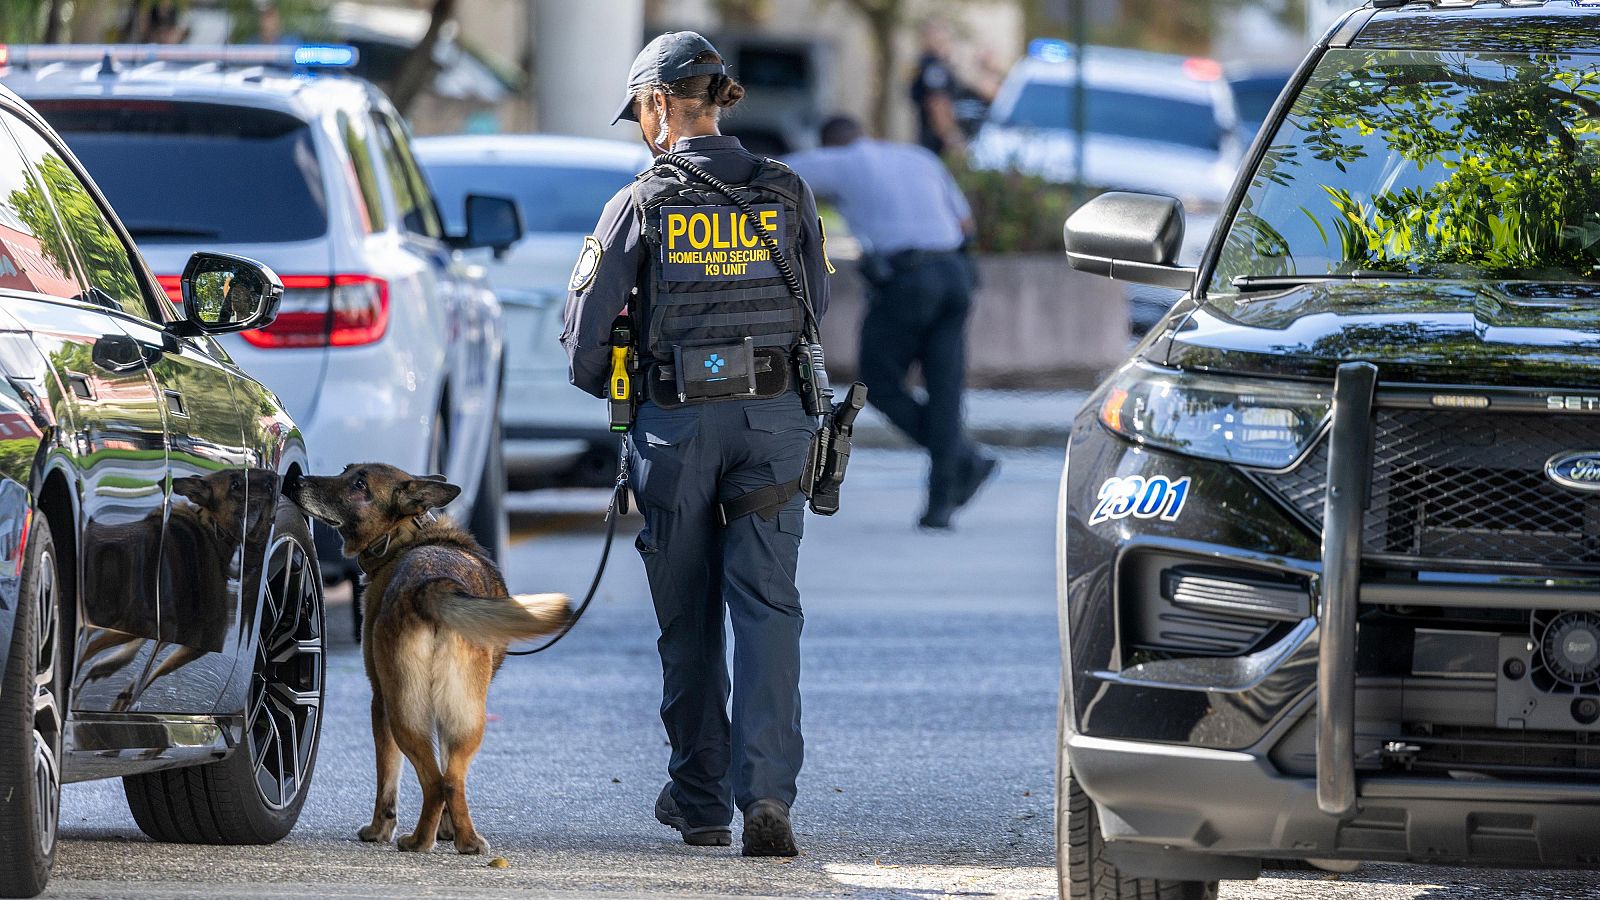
{"x":1035,"y":322}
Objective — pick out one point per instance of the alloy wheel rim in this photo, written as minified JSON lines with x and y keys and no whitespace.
{"x":286,"y":690}
{"x":47,"y":724}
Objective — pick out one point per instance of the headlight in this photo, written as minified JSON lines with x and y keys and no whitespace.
{"x":1249,"y":421}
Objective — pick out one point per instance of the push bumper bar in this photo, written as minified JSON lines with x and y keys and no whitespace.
{"x":1349,"y":492}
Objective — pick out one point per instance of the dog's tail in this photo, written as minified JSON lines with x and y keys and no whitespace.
{"x":495,"y":620}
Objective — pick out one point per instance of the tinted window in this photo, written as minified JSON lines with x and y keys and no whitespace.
{"x":553,"y":198}
{"x":411,"y":192}
{"x":33,"y":247}
{"x":1453,"y":165}
{"x":198,"y":172}
{"x":1118,"y":114}
{"x":107,"y":268}
{"x":358,"y":146}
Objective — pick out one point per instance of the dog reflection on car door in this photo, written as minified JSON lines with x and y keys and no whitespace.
{"x":436,"y":622}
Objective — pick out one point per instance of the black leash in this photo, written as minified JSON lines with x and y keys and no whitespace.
{"x":617,"y":508}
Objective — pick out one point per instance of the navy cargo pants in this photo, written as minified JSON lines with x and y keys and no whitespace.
{"x":685,"y":461}
{"x":919,"y":315}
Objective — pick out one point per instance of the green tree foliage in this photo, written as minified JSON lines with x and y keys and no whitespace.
{"x":1014,"y":212}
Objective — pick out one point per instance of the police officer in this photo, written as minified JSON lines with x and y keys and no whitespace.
{"x":909,"y":214}
{"x":720,"y":436}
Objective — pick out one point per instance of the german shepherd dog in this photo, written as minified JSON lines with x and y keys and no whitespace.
{"x":436,"y":621}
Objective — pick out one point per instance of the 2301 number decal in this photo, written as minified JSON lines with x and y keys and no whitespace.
{"x":1140,"y":497}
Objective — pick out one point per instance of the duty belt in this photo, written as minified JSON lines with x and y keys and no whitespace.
{"x":773,"y":379}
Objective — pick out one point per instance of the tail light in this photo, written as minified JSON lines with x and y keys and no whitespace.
{"x":318,"y":311}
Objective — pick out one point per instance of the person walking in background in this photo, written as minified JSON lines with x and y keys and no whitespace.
{"x":912,"y":221}
{"x":934,"y":91}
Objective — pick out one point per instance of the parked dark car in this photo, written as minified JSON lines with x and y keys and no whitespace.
{"x":1330,"y":541}
{"x":160,"y":602}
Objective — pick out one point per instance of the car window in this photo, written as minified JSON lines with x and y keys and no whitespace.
{"x":1116,"y":113}
{"x":33,"y":246}
{"x":357,"y":136}
{"x":553,"y":198}
{"x":108,"y":268}
{"x":181,"y":173}
{"x":415,"y":201}
{"x":1428,"y":163}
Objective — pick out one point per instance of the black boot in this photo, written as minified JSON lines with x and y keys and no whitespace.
{"x":668,"y":814}
{"x":767,"y":831}
{"x":978,"y":470}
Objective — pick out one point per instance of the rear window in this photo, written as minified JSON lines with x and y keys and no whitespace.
{"x":187,"y":172}
{"x":1254,"y":97}
{"x":553,"y":198}
{"x":1119,"y":114}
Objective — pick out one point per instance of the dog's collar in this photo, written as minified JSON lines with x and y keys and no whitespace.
{"x":379,"y":549}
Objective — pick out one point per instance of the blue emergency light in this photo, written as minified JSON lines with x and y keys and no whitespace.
{"x":281,"y":56}
{"x":1052,"y":50}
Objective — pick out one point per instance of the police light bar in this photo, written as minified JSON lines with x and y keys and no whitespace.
{"x":285,"y":56}
{"x":1050,"y":50}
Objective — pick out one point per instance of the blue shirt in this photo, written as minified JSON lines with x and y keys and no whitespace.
{"x":895,"y":196}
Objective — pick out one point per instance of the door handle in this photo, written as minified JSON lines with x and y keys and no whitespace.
{"x":175,"y":404}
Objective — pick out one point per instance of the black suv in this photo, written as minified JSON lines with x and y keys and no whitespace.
{"x":160,"y":603}
{"x":1330,"y":545}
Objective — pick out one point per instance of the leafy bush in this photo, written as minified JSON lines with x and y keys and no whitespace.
{"x":1015,"y":213}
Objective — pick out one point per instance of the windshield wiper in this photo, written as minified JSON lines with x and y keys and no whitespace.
{"x":1262,"y":283}
{"x":147,"y":230}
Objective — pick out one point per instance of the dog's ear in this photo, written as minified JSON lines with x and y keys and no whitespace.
{"x":419,"y":495}
{"x":196,"y":489}
{"x":434,"y":478}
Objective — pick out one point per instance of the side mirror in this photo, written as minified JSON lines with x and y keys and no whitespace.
{"x":1130,"y":237}
{"x":224,"y":293}
{"x":494,"y":222}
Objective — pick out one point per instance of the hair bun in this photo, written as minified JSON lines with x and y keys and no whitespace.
{"x":725,"y":91}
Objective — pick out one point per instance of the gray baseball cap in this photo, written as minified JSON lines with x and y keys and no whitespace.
{"x":665,"y":60}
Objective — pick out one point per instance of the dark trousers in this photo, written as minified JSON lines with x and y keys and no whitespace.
{"x":919,"y":315}
{"x":685,"y":461}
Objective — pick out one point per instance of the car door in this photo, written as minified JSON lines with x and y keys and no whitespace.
{"x":117,"y":442}
{"x":202,"y":546}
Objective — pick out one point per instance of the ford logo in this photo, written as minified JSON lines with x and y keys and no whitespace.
{"x":1579,"y":471}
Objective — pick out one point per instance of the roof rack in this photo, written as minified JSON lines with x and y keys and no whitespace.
{"x":281,"y":56}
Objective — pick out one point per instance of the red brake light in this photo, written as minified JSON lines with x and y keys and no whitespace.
{"x":319,"y":311}
{"x":173,"y":285}
{"x":1201,"y":69}
{"x":5,"y":54}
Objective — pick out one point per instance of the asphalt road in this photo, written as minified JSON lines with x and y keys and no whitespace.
{"x":930,"y":687}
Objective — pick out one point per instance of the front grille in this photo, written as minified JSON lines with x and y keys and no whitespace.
{"x":1448,"y":485}
{"x":1563,"y":755}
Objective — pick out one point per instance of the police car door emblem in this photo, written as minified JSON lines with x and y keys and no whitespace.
{"x":1579,"y":471}
{"x":588,"y":264}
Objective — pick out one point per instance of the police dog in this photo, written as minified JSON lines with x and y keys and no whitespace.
{"x":437,"y":619}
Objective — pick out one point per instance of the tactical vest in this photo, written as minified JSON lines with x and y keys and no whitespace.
{"x":710,"y":279}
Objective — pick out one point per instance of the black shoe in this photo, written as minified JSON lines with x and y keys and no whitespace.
{"x":937,"y":518}
{"x":668,"y":814}
{"x":767,"y":831}
{"x":982,"y":469}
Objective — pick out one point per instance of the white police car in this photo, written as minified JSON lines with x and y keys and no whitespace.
{"x":554,"y":435}
{"x":387,"y":347}
{"x":1153,"y":122}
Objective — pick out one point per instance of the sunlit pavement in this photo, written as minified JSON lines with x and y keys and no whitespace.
{"x":930,"y":690}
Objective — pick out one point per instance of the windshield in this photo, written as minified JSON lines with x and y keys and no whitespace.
{"x":1144,"y":117}
{"x":188,"y":172}
{"x":553,"y":198}
{"x":1442,"y":165}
